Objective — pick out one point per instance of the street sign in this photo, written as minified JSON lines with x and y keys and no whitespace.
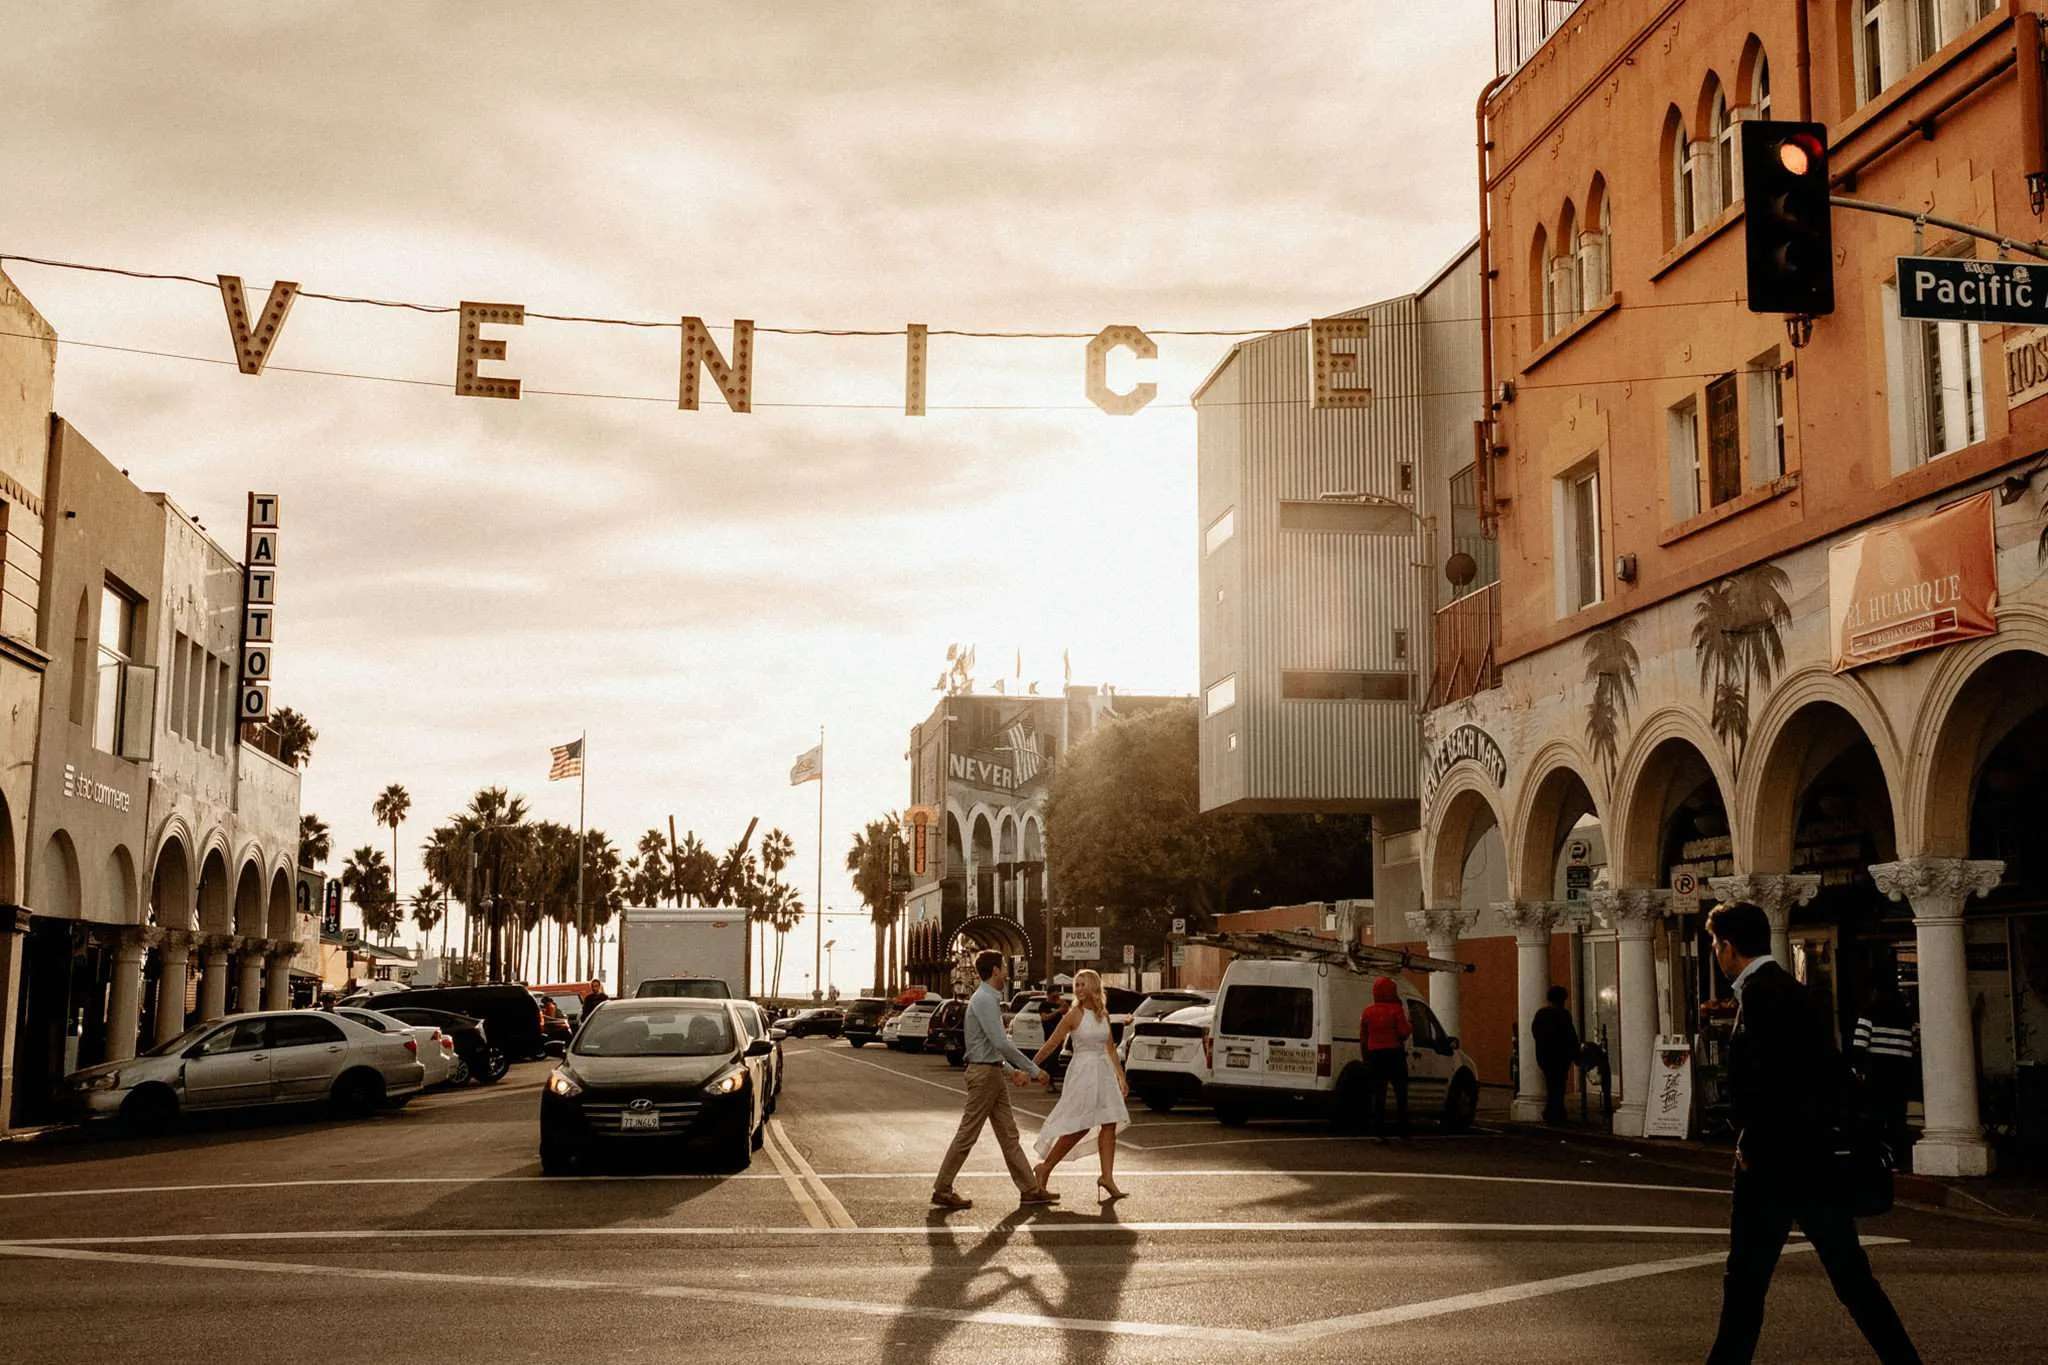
{"x":1577,"y":881}
{"x":352,"y":937}
{"x":1180,"y":954}
{"x":1685,"y":885}
{"x":1180,"y":926}
{"x":1579,"y":850}
{"x":1130,"y":954}
{"x":1962,"y":289}
{"x":1081,"y":944}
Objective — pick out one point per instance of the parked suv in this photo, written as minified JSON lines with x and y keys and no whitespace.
{"x":864,"y":1019}
{"x":1167,"y":1057}
{"x":1285,"y":1040}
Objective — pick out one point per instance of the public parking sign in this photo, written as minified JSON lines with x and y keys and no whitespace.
{"x":1962,"y":289}
{"x":1081,"y":945}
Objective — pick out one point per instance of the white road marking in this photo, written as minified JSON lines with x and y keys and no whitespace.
{"x":1326,"y":1137}
{"x":929,"y":1230}
{"x":798,"y":1190}
{"x":1284,"y":1336}
{"x":804,"y":1182}
{"x":1165,"y":1174}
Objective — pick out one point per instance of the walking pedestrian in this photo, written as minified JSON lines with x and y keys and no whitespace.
{"x":1884,"y":1055}
{"x":1557,"y":1045}
{"x":1784,"y":1081}
{"x":594,"y":997}
{"x":1095,"y":1089}
{"x":990,"y":1055}
{"x":1383,"y":1031}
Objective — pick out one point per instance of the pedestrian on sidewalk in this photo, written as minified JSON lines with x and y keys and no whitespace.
{"x":1557,"y":1045}
{"x":1785,"y":1082}
{"x":990,"y":1055}
{"x":1885,"y":1060}
{"x":1383,"y":1031}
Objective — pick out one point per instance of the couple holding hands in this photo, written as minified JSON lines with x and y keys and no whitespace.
{"x":1092,"y":1097}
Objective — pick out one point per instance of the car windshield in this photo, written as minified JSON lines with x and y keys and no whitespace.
{"x":699,"y":988}
{"x":183,"y":1040}
{"x":675,"y":1031}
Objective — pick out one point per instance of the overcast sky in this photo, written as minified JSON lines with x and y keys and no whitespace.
{"x":465,"y":582}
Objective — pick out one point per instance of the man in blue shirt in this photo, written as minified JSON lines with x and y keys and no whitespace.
{"x":989,"y":1051}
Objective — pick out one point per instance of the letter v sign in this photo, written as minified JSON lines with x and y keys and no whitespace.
{"x":253,"y":343}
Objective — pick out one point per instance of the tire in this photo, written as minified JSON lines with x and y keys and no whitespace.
{"x":496,"y":1064}
{"x":857,"y":1042}
{"x":738,"y":1149}
{"x":556,"y":1159}
{"x":1158,"y":1101}
{"x":1232,"y":1115}
{"x":150,"y":1111}
{"x":1461,"y":1104}
{"x":760,"y":1135}
{"x":460,"y":1076}
{"x":358,"y":1094}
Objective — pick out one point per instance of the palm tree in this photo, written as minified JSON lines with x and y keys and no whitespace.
{"x":391,"y":807}
{"x":368,"y":881}
{"x":294,"y":735}
{"x":1611,"y":665}
{"x":696,"y":870}
{"x":784,"y":911}
{"x":658,"y":882}
{"x":602,"y":875}
{"x":868,"y":860}
{"x":776,"y":850}
{"x":315,"y":843}
{"x":498,"y":823}
{"x":428,"y":910}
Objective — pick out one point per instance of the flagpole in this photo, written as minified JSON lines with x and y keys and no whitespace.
{"x":818,"y":906}
{"x":582,"y":788}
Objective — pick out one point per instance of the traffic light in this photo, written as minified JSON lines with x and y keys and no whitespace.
{"x":1791,"y":245}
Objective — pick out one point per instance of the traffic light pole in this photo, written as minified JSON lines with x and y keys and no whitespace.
{"x":2034,"y":249}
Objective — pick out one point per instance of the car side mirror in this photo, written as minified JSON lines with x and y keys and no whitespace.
{"x":557,"y":1048}
{"x":778,"y":1033}
{"x":760,"y":1047}
{"x":1448,"y":1046}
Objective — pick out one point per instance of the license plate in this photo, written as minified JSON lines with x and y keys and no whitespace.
{"x":1165,"y":1052}
{"x":1237,"y":1059}
{"x":632,"y":1120}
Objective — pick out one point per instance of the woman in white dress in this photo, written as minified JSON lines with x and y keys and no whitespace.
{"x":1093,"y":1094}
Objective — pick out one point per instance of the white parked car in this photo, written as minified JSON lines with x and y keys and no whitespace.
{"x":248,"y":1060}
{"x":1167,"y":1058}
{"x":437,"y":1049}
{"x":913,"y":1026}
{"x":1285,"y":1040}
{"x":890,"y":1028}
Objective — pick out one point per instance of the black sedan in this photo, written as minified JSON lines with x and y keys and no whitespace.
{"x":478,"y":1060}
{"x":819,"y":1023}
{"x":679,"y":1072}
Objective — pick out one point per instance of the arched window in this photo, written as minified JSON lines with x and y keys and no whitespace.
{"x":1678,"y":217}
{"x":1595,"y":247}
{"x":1761,"y":97}
{"x":1539,"y":284}
{"x":1721,"y":141}
{"x":1564,"y":271}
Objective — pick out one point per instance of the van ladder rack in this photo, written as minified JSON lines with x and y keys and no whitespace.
{"x":1357,"y":957}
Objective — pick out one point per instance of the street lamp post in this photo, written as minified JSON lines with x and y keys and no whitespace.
{"x":828,"y":968}
{"x":1425,"y":544}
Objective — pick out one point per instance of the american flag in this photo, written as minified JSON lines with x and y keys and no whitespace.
{"x":566,"y":760}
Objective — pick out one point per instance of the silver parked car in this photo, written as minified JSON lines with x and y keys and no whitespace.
{"x":248,"y":1060}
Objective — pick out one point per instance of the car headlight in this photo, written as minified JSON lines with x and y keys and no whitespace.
{"x":729,"y":1083}
{"x":106,"y":1081}
{"x":561,"y":1083}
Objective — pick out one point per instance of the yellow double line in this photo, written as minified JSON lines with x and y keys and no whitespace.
{"x":820,"y":1207}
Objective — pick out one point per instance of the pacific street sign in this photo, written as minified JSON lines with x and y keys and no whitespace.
{"x":1953,"y":289}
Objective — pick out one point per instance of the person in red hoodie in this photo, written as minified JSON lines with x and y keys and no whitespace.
{"x":1383,"y":1031}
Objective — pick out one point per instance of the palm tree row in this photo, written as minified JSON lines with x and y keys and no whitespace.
{"x":876,"y":856}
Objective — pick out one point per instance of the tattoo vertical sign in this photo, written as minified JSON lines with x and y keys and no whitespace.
{"x":259,"y":602}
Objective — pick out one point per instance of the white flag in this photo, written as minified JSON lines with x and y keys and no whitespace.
{"x":809,"y":767}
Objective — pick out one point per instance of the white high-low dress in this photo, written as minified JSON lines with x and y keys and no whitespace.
{"x":1089,"y":1097}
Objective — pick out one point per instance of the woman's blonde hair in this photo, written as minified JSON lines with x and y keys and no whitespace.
{"x":1088,"y":993}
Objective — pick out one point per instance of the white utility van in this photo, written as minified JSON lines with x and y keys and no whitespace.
{"x":1285,"y":1040}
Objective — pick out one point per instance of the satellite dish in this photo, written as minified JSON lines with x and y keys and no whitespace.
{"x":1461,"y":569}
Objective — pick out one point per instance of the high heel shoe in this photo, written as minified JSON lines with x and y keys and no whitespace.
{"x":1110,"y":1192}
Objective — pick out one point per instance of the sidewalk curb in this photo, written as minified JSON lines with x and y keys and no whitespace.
{"x":46,"y":1133}
{"x":1921,"y":1192}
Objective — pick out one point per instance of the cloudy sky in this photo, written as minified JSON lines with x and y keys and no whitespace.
{"x":466,"y":581}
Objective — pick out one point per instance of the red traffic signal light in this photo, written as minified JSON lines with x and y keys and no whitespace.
{"x":1788,"y":232}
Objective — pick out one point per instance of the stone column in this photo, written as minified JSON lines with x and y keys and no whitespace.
{"x":1440,"y":929}
{"x":213,"y":985}
{"x":13,"y":958}
{"x":1775,"y":896}
{"x":124,"y":994}
{"x":172,"y":959}
{"x":1531,"y":921}
{"x":1633,"y":915}
{"x":277,"y":984}
{"x":1953,"y":1142}
{"x":249,"y":975}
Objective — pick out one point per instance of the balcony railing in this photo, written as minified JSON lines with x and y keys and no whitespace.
{"x":1522,"y":26}
{"x":1467,"y":647}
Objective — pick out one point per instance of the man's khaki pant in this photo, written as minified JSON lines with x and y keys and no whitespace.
{"x":988,"y":1101}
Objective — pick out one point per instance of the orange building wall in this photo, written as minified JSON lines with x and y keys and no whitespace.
{"x":1579,"y":110}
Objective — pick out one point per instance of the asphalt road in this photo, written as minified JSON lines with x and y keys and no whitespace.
{"x":430,"y":1235}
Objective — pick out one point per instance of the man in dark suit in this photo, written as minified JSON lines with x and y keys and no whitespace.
{"x":1785,"y":1083}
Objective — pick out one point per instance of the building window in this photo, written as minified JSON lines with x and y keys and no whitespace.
{"x":1467,"y":532}
{"x":1766,"y":418}
{"x":1220,"y":530}
{"x":1352,"y":518}
{"x":1233,"y":741}
{"x":1763,"y":88}
{"x":195,"y":689}
{"x":1596,"y":263}
{"x":1679,"y":178}
{"x":181,"y":676}
{"x":1724,"y":442}
{"x":1682,"y":423}
{"x":1327,"y":685}
{"x":1222,"y":695}
{"x":116,"y":649}
{"x":1936,"y":371}
{"x":1578,"y":549}
{"x":224,"y":729}
{"x":1722,"y":132}
{"x":1873,"y":33}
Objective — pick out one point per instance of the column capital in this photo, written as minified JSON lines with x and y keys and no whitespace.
{"x":177,"y":941}
{"x":14,"y":919}
{"x":256,"y":946}
{"x":1630,"y":913}
{"x":1775,"y":895}
{"x":281,"y":948}
{"x":216,"y":944}
{"x":139,"y":938}
{"x":1936,"y":888}
{"x":1531,"y":920}
{"x":1440,"y":923}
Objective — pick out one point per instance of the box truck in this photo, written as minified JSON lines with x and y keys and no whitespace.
{"x":684,"y":951}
